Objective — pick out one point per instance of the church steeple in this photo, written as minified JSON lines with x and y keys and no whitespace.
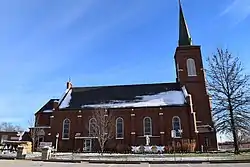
{"x":184,"y":36}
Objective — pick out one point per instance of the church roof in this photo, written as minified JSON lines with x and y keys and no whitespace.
{"x":123,"y":96}
{"x":48,"y":107}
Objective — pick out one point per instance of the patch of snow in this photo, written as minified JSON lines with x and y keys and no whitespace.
{"x":184,"y":90}
{"x":117,"y":101}
{"x":168,"y":98}
{"x":160,"y":99}
{"x":47,"y":111}
{"x":65,"y":92}
{"x":66,"y":100}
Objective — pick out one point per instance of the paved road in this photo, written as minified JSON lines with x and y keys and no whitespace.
{"x":16,"y":163}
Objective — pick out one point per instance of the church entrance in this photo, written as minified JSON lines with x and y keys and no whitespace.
{"x":87,"y":145}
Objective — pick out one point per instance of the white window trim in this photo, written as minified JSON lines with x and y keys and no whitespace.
{"x":90,"y":120}
{"x":122,"y":128}
{"x":190,"y":67}
{"x":179,"y":124}
{"x":145,"y":128}
{"x":66,"y":138}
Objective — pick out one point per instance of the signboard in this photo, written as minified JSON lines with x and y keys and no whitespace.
{"x":14,"y":138}
{"x":45,"y":144}
{"x":40,"y":132}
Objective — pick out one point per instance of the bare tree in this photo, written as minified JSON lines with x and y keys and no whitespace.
{"x":102,"y":126}
{"x":241,"y":136}
{"x":9,"y":127}
{"x":229,"y":88}
{"x":33,"y":130}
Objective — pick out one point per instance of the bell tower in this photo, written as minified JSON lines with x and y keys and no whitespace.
{"x":190,"y":73}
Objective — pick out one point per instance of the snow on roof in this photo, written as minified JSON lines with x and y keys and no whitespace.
{"x":47,"y":111}
{"x":66,"y":100}
{"x":184,"y":91}
{"x":160,"y":99}
{"x":39,"y":127}
{"x":62,"y":98}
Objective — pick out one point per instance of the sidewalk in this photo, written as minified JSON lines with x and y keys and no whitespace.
{"x":137,"y":158}
{"x":150,"y":158}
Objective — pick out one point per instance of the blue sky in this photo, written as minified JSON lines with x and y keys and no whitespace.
{"x":98,"y":42}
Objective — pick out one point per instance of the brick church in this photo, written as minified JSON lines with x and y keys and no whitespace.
{"x":140,"y":111}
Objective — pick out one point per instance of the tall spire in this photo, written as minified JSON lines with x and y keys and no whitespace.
{"x":184,"y":36}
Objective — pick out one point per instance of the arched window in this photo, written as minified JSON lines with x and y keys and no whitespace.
{"x":147,"y":125}
{"x":92,"y":123}
{"x":191,"y":69}
{"x":66,"y":128}
{"x":119,"y":128}
{"x":176,"y":123}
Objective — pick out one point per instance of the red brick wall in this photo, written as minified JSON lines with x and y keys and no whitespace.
{"x":160,"y":123}
{"x":43,"y":119}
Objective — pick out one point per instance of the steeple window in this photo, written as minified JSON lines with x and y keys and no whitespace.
{"x":191,"y":69}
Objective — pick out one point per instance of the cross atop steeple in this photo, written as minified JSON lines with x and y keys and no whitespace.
{"x":184,"y":36}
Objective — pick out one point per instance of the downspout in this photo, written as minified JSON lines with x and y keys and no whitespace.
{"x":193,"y":115}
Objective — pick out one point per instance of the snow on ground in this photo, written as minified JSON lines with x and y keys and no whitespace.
{"x":13,"y":155}
{"x":160,"y":99}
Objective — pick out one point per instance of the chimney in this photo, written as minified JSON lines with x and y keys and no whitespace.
{"x":55,"y":104}
{"x":69,"y":85}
